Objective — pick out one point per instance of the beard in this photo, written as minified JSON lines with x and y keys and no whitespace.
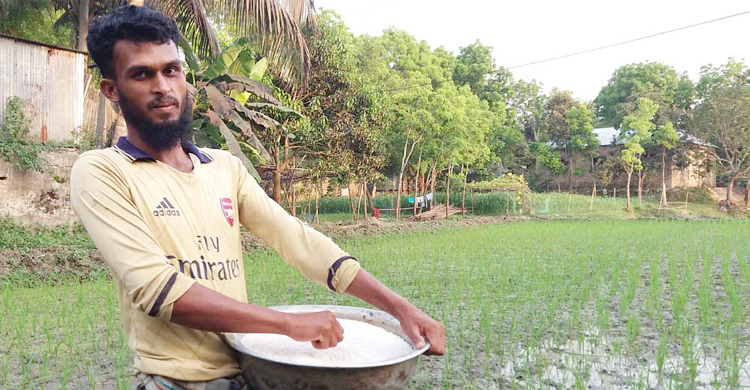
{"x":160,"y":136}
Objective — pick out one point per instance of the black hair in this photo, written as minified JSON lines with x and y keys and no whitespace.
{"x":131,"y":23}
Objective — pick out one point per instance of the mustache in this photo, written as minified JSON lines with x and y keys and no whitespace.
{"x":165,"y":101}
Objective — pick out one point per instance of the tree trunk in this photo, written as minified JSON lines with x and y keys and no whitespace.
{"x":364,"y":188}
{"x":627,"y":191}
{"x":100,"y":114}
{"x":404,"y":160}
{"x":83,"y":24}
{"x":351,"y":202}
{"x":416,"y":181}
{"x":423,"y":191}
{"x":359,"y":199}
{"x":433,"y":179}
{"x":292,"y":191}
{"x":398,"y":194}
{"x":663,"y":201}
{"x":277,"y":175}
{"x":111,"y":132}
{"x":317,"y":198}
{"x":448,"y":188}
{"x":570,"y":172}
{"x":641,"y":178}
{"x":730,"y":188}
{"x":463,"y":196}
{"x":368,"y":194}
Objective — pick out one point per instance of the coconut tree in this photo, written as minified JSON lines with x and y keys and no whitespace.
{"x":275,"y":27}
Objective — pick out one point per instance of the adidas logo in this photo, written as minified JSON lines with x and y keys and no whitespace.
{"x":165,"y":209}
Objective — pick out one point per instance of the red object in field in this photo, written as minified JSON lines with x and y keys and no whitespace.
{"x":376,"y":213}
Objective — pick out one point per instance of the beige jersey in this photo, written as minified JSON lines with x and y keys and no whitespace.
{"x":161,"y":230}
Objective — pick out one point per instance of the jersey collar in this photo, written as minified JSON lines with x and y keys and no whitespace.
{"x":136,"y":154}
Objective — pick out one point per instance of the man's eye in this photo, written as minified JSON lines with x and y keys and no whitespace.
{"x":170,"y":70}
{"x":140,"y":75}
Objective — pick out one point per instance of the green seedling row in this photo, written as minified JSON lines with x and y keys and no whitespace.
{"x":528,"y":305}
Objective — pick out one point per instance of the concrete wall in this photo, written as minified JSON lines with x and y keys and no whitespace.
{"x":31,"y":198}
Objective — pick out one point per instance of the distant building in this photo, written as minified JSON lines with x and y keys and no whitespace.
{"x":695,"y":174}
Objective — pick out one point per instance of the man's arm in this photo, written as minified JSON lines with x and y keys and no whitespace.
{"x":414,"y":322}
{"x":322,"y":261}
{"x":205,"y":309}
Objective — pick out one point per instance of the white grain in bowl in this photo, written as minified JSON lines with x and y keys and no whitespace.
{"x":363,"y":344}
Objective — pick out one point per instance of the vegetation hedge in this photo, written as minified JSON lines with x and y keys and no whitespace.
{"x":487,"y":203}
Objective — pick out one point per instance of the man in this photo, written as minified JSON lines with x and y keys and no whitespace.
{"x":165,"y":216}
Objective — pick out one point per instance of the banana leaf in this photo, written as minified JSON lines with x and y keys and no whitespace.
{"x":232,"y":144}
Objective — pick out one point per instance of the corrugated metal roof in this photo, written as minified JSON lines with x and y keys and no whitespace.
{"x":51,"y":79}
{"x":37,"y":43}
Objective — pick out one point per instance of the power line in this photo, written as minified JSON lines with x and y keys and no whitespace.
{"x":628,"y":41}
{"x":581,"y":52}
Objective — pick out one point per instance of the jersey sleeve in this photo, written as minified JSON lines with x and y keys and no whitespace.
{"x":311,"y":252}
{"x":101,"y":199}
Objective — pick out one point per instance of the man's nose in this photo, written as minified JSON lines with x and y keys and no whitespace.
{"x":161,"y":86}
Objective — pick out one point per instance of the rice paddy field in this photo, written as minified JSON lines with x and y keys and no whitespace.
{"x":527,"y":305}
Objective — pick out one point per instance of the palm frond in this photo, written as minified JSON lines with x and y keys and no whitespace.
{"x":194,"y":23}
{"x":275,"y":27}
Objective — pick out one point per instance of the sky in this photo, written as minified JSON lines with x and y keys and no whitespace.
{"x":524,"y":31}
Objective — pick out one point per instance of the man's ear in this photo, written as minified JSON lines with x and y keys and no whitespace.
{"x":109,"y":89}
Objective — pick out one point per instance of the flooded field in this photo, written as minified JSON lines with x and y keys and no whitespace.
{"x":528,"y":305}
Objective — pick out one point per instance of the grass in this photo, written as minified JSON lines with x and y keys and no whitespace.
{"x":542,"y":304}
{"x":53,"y":256}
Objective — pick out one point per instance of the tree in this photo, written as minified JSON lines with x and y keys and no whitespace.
{"x":528,"y":103}
{"x":548,"y":158}
{"x":635,"y":130}
{"x":231,"y":102}
{"x":34,"y":20}
{"x":568,"y":124}
{"x":274,"y":27}
{"x":474,"y":65}
{"x":421,"y":93}
{"x":657,"y":82}
{"x":666,"y":137}
{"x":344,"y":105}
{"x":722,"y":119}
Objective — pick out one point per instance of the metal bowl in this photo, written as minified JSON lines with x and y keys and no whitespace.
{"x":263,"y":373}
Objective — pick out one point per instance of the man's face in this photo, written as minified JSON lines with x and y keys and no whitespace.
{"x":152,"y":91}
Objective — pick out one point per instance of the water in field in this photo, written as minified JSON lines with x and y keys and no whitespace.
{"x":589,"y":305}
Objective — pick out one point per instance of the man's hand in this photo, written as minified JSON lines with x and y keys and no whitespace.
{"x":203,"y":308}
{"x":414,"y":322}
{"x":418,"y":325}
{"x":320,"y":328}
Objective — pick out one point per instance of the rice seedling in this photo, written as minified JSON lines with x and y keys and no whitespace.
{"x":530,"y":305}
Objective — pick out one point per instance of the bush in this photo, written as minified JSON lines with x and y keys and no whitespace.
{"x":487,"y":203}
{"x":15,"y":145}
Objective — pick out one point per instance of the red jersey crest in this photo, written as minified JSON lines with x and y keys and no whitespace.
{"x":228,"y":209}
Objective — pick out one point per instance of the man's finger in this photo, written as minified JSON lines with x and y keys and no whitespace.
{"x":416,"y":338}
{"x":339,"y":331}
{"x":436,"y":335}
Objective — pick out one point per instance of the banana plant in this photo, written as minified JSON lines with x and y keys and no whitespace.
{"x":232,"y":102}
